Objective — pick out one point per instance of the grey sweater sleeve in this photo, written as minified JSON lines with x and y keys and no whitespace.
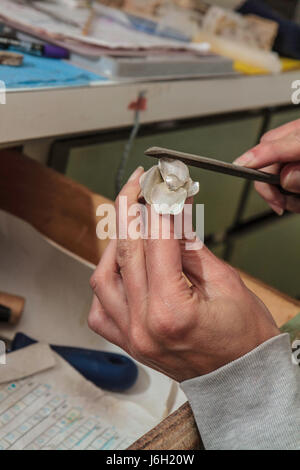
{"x":250,"y":403}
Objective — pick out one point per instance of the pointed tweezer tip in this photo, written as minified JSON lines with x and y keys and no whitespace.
{"x":153,"y":151}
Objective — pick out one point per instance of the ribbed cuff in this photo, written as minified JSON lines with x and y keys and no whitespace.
{"x":250,"y":403}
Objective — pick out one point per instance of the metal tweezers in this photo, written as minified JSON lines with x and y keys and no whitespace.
{"x":219,"y":167}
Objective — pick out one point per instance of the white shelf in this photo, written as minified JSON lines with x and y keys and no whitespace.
{"x":44,"y":113}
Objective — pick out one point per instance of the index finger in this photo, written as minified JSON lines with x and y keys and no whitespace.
{"x":284,"y":150}
{"x":281,"y":131}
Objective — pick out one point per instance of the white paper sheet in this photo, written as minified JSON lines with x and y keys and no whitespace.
{"x":57,"y":408}
{"x":58,"y":296}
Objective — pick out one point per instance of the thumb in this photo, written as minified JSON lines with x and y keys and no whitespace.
{"x":199,"y":264}
{"x":290,"y":177}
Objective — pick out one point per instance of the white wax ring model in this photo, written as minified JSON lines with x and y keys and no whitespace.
{"x":167,"y":185}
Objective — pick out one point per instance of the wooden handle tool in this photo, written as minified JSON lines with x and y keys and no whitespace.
{"x":11,"y":308}
{"x":219,"y":167}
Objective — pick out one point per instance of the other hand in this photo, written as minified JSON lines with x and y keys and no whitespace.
{"x":278,"y":152}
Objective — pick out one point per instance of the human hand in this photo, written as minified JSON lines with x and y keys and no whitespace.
{"x":143,"y":304}
{"x":278,"y":152}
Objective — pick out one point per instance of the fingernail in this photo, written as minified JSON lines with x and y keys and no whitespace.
{"x":136,"y":173}
{"x":276,"y":208}
{"x":247,"y":159}
{"x":292,"y":181}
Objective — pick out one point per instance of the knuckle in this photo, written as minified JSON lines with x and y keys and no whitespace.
{"x":93,"y":282}
{"x":296,"y":135}
{"x":266,"y":147}
{"x":267,"y":136}
{"x":167,"y":326}
{"x":92,"y":322}
{"x":99,"y":278}
{"x":124,"y":253}
{"x":140,"y":345}
{"x":270,"y":147}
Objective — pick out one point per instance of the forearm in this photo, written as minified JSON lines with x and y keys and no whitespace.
{"x":251,"y":403}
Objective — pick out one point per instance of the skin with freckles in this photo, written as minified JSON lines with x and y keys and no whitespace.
{"x":143,"y":304}
{"x":278,"y":152}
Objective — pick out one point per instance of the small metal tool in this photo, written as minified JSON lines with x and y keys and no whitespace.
{"x":219,"y":167}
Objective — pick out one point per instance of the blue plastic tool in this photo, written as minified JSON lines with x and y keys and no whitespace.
{"x":109,"y":371}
